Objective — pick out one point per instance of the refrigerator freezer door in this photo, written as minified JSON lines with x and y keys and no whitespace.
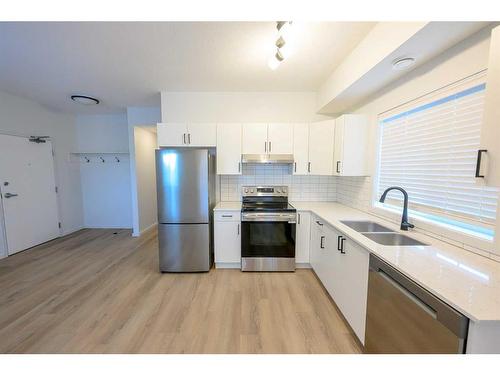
{"x":184,"y":247}
{"x":182,"y":185}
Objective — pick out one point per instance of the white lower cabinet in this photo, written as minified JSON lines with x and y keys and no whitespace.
{"x":342,"y":267}
{"x":302,"y":237}
{"x":227,"y":233}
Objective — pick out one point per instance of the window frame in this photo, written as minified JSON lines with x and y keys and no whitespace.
{"x":435,"y":228}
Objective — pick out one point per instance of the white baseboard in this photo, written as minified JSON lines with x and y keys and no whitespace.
{"x":144,"y":231}
{"x":236,"y":265}
{"x":302,"y":265}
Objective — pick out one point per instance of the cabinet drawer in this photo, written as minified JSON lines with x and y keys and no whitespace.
{"x":227,"y":215}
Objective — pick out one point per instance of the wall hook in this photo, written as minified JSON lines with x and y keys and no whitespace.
{"x":87,"y":160}
{"x":117,"y":160}
{"x":100,"y":157}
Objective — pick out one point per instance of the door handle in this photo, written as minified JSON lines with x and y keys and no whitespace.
{"x":269,"y":146}
{"x":321,"y":245}
{"x":309,"y":167}
{"x":338,"y":166}
{"x":478,"y":164}
{"x":9,"y":195}
{"x":189,"y":138}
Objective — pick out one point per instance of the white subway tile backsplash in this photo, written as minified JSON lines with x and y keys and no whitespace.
{"x":301,"y":188}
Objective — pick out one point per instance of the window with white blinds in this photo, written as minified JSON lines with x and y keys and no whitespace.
{"x":429,"y":148}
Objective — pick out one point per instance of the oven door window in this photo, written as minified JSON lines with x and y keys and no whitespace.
{"x":268,"y":239}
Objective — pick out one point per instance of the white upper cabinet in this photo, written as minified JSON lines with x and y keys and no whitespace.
{"x":351,"y":145}
{"x":228,"y":148}
{"x":171,"y":134}
{"x":202,"y":134}
{"x":321,"y":141}
{"x":280,"y":138}
{"x":254,"y":138}
{"x":489,"y":152}
{"x":300,"y":148}
{"x":261,"y":138}
{"x":187,"y":135}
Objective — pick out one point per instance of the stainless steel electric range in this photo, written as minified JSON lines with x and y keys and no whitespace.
{"x":267,"y":229}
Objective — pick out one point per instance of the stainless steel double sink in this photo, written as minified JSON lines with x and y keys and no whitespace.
{"x":381,"y":234}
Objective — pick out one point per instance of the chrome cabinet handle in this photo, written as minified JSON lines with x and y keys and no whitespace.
{"x":269,"y":146}
{"x":9,"y":195}
{"x":189,"y":138}
{"x":338,"y":242}
{"x":298,"y":222}
{"x":295,"y":166}
{"x":338,"y":166}
{"x":265,"y":146}
{"x":321,"y":245}
{"x":309,"y":167}
{"x":478,"y":164}
{"x":184,"y":138}
{"x":239,"y":166}
{"x":238,"y":229}
{"x":319,"y":223}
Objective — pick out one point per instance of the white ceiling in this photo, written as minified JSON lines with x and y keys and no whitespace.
{"x":128,"y":64}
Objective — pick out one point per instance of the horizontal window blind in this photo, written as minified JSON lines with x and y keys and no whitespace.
{"x":430,"y":148}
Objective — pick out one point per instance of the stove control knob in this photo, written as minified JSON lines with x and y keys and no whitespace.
{"x":251,"y":191}
{"x":246,"y":190}
{"x":278,"y":190}
{"x":283,"y":189}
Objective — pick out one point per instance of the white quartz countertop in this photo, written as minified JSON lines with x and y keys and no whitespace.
{"x":467,"y":281}
{"x":228,"y":206}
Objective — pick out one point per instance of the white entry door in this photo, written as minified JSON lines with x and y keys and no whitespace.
{"x":27,"y":186}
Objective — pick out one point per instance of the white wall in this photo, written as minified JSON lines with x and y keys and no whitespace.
{"x":24,"y":117}
{"x":144,"y":213}
{"x":239,"y":107}
{"x":145,"y":145}
{"x":106,"y":187}
{"x":462,"y":60}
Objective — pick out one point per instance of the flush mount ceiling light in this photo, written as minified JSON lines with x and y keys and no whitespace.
{"x":84,"y":99}
{"x":403,"y":63}
{"x":283,"y":44}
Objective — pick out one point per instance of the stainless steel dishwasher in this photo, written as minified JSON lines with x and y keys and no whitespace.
{"x":402,"y":317}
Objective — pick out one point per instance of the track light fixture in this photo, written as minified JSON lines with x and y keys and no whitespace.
{"x":282,"y":44}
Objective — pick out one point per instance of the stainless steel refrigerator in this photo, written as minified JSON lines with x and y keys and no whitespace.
{"x":185,"y":180}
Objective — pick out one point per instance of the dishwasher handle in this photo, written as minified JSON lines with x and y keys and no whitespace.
{"x":438,"y":309}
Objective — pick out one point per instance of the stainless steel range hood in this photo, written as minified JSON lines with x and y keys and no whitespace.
{"x":267,"y":158}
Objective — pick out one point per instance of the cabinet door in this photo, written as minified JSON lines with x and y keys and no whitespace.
{"x":314,"y":248}
{"x":228,"y":149}
{"x":338,"y":148}
{"x":490,"y":129}
{"x":280,"y":138}
{"x":303,"y":237}
{"x":300,"y":148}
{"x":353,"y":281}
{"x":171,"y":135}
{"x":227,"y":242}
{"x":351,"y":145}
{"x":254,"y":138}
{"x":321,"y":136}
{"x":202,"y":135}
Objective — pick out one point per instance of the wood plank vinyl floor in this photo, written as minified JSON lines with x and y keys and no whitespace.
{"x":99,"y":292}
